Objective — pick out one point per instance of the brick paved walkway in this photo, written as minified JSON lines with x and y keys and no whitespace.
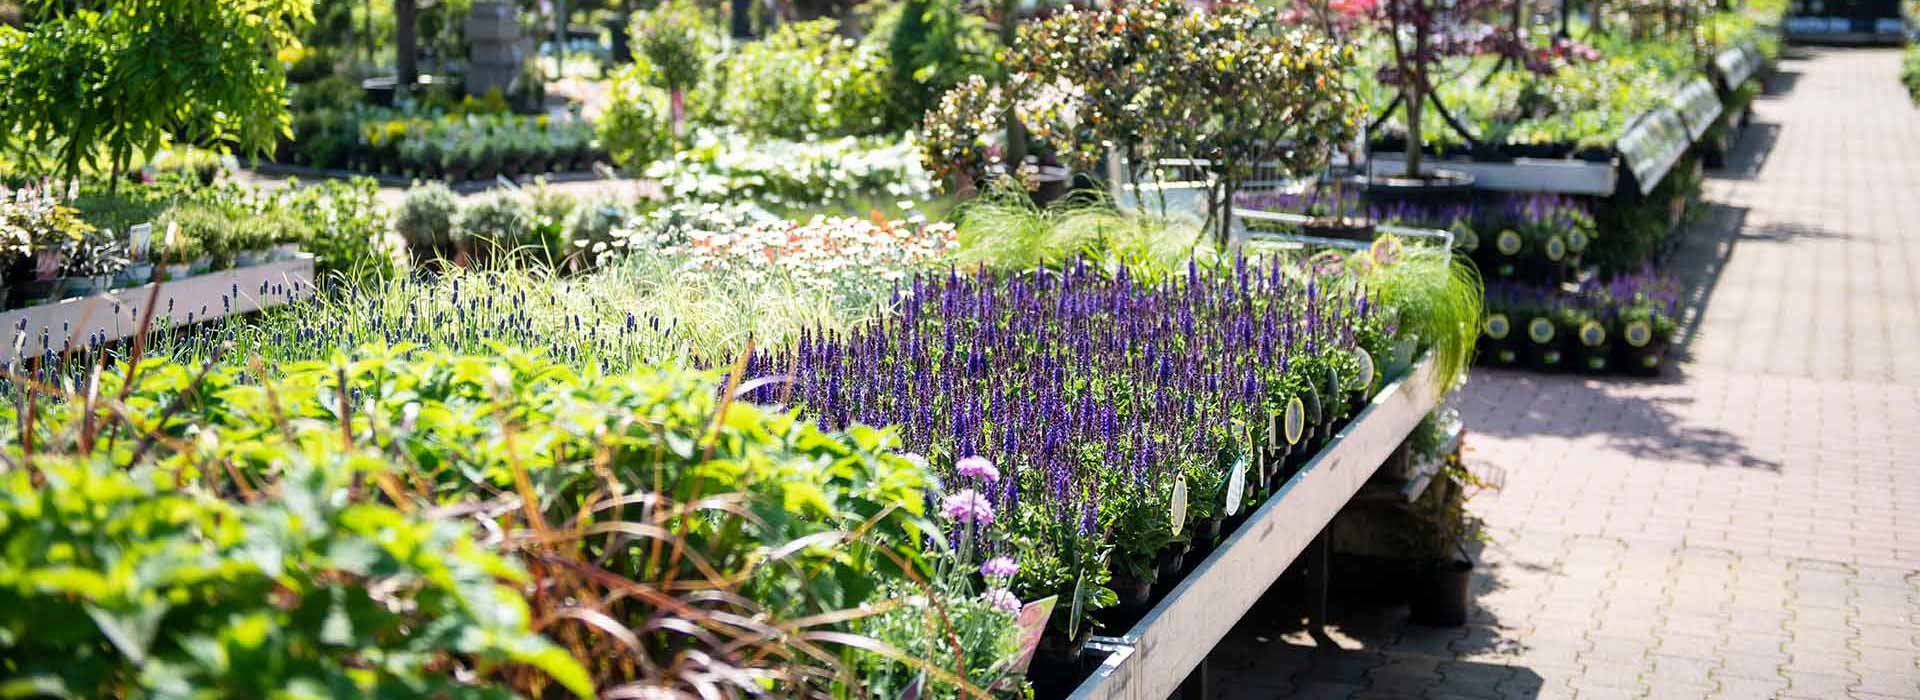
{"x":1748,"y":529}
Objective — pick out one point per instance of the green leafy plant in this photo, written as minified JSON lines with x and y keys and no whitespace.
{"x":116,"y":586}
{"x":116,"y":80}
{"x":426,"y":218}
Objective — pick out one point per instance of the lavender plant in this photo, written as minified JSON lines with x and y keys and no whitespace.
{"x":1094,"y":394}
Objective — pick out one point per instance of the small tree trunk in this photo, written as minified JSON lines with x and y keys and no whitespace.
{"x":406,"y":52}
{"x":1415,"y":105}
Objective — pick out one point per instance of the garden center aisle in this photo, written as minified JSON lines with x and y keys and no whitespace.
{"x":1748,"y":527}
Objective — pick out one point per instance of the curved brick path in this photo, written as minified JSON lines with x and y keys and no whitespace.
{"x":1747,"y":529}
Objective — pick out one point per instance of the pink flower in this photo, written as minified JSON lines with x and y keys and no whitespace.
{"x":968,"y":507}
{"x":977,"y":467}
{"x":1003,"y":599}
{"x":999,"y":567}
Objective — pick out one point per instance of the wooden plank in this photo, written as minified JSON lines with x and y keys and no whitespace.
{"x":116,"y":315}
{"x":1151,"y":659}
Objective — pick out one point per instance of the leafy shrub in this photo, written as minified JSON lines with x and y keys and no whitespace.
{"x":738,"y":520}
{"x":426,"y":219}
{"x":807,"y":80}
{"x":347,"y":229}
{"x":209,"y":227}
{"x":676,"y":40}
{"x":632,"y":128}
{"x":497,"y":222}
{"x":116,"y":586}
{"x":932,"y":47}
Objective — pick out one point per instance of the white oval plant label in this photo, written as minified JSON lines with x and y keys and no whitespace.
{"x":1508,"y":243}
{"x":1236,"y":485}
{"x":1592,"y":334}
{"x":1497,"y":326}
{"x":1363,"y":378}
{"x":1179,"y":505}
{"x":1540,"y":330}
{"x":1296,"y":420}
{"x":1556,"y":249}
{"x":1639,"y":334}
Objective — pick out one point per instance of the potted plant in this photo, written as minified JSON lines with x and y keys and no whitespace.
{"x":1441,"y":584}
{"x":177,"y":250}
{"x":249,"y":241}
{"x":88,"y":264}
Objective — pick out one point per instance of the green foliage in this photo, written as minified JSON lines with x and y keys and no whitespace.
{"x":498,"y":222}
{"x":933,"y":46}
{"x":736,"y":519}
{"x":676,"y":38}
{"x":1005,"y":230}
{"x":633,"y":127}
{"x":112,"y":83}
{"x":791,"y":176}
{"x":426,"y":217}
{"x":1437,"y":302}
{"x":116,"y":585}
{"x":806,"y":80}
{"x":1910,"y":72}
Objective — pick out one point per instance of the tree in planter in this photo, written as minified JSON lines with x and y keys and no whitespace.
{"x":112,"y":80}
{"x":1230,"y":86}
{"x":676,"y":42}
{"x":1422,"y":35}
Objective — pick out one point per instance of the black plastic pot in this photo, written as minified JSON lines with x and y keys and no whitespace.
{"x":1437,"y":187}
{"x":1439,"y":597}
{"x":1645,"y":361}
{"x":1171,"y":561}
{"x":1058,"y":664}
{"x":1593,"y":359}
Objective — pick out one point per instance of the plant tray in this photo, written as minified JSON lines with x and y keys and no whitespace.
{"x":1652,"y":145}
{"x":1698,"y":105}
{"x":1736,"y":65}
{"x":116,"y":315}
{"x":1152,"y":658}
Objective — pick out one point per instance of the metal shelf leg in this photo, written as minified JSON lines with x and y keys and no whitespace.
{"x":1317,"y":559}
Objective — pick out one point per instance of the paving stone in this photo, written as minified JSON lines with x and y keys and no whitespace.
{"x":1747,"y":527}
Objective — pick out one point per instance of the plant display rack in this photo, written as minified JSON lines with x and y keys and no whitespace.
{"x":1562,"y":175}
{"x":117,"y":315}
{"x":1169,"y":646}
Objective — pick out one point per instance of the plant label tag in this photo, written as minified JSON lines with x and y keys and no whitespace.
{"x":1498,"y":327}
{"x":1296,"y":422}
{"x":914,"y":688}
{"x":1364,"y":378}
{"x":1179,"y":505}
{"x":1540,"y":330}
{"x":1032,"y":622}
{"x":1638,"y":334}
{"x":1592,"y":334}
{"x":139,"y":240}
{"x":1508,"y":243}
{"x":1236,"y":486}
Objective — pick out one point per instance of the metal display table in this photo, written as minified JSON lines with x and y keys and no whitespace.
{"x":1173,"y":640}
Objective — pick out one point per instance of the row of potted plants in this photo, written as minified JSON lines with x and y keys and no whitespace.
{"x":454,"y":148}
{"x":1623,"y":325}
{"x":1096,"y":427}
{"x":48,"y":253}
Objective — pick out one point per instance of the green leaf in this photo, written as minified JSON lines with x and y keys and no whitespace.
{"x":131,"y":632}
